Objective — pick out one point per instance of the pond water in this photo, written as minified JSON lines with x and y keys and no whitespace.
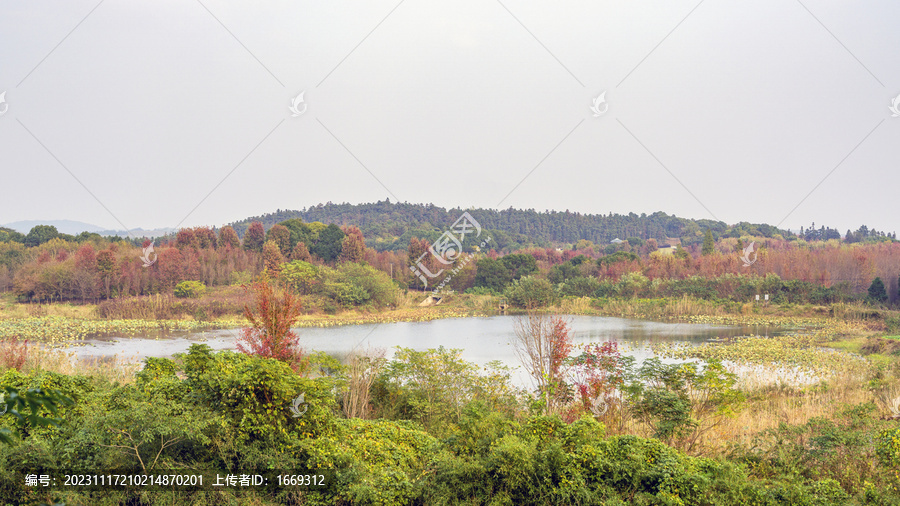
{"x":482,"y":339}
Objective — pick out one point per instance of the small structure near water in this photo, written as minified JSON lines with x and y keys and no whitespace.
{"x":432,"y":300}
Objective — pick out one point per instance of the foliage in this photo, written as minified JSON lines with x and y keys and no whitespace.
{"x":579,"y":287}
{"x":846,"y":450}
{"x":190,"y":290}
{"x":271,"y":317}
{"x":681,"y":402}
{"x":709,"y":244}
{"x":543,"y":345}
{"x":329,"y":243}
{"x":40,"y":234}
{"x":301,"y":276}
{"x":433,"y":388}
{"x":530,"y":293}
{"x":877,"y":292}
{"x":255,"y":237}
{"x":38,"y":403}
{"x":599,"y":374}
{"x":255,"y":396}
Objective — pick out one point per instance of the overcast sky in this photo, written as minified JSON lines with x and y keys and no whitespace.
{"x":125,"y":113}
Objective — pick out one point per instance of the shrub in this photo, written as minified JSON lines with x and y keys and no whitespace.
{"x":529,"y":293}
{"x":13,"y":353}
{"x":255,"y":395}
{"x":190,"y":290}
{"x":579,"y":287}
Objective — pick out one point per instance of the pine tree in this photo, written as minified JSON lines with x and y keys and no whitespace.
{"x":709,"y":245}
{"x":877,"y":291}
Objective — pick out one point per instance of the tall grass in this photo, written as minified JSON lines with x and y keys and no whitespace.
{"x":660,"y":308}
{"x":169,"y":307}
{"x":30,"y":358}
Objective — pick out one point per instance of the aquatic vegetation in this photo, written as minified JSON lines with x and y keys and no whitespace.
{"x":793,"y":358}
{"x":57,"y":330}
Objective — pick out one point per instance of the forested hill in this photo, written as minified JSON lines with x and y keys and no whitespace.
{"x":389,"y":225}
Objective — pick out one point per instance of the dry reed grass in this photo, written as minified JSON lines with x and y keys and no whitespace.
{"x":115,"y":369}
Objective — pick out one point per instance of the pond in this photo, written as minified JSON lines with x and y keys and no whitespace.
{"x":482,"y":339}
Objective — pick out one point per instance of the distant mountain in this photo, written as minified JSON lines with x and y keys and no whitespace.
{"x":388,"y":225}
{"x":76,"y":227}
{"x":63,"y":226}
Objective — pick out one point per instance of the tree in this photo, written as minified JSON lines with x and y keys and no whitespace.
{"x":877,"y":292}
{"x":418,"y":247}
{"x":599,"y":375}
{"x":106,"y":266}
{"x":86,"y":272}
{"x":271,"y":316}
{"x":272,"y":258}
{"x":281,"y":236}
{"x":255,"y":237}
{"x":229,"y":238}
{"x":563,"y":272}
{"x":491,"y":274}
{"x":40,"y":234}
{"x":709,"y":244}
{"x":519,"y":265}
{"x":681,"y":403}
{"x":543,"y":344}
{"x":301,"y":276}
{"x":300,"y":232}
{"x":353,"y":246}
{"x":186,"y":238}
{"x":301,"y":252}
{"x":530,"y":293}
{"x":328,"y":245}
{"x":362,"y":371}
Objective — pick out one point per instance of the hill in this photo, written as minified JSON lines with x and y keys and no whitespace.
{"x":76,"y":227}
{"x":389,"y":226}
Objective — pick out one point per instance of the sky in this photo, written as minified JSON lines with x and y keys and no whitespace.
{"x":172,"y":113}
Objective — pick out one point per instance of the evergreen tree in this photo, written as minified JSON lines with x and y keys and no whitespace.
{"x":709,"y":245}
{"x":877,"y":291}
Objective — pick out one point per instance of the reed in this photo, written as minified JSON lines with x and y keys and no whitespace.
{"x":114,"y":369}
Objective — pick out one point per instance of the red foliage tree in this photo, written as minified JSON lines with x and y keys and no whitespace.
{"x":543,"y":344}
{"x":598,"y":373}
{"x":271,"y":317}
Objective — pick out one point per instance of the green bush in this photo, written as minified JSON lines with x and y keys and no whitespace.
{"x":256,"y":394}
{"x":579,"y":287}
{"x":190,"y":290}
{"x":529,"y":293}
